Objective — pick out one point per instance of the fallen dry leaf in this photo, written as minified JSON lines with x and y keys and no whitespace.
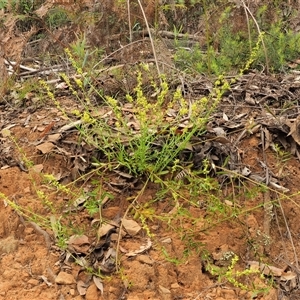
{"x":79,"y":244}
{"x":81,"y":287}
{"x":131,"y":227}
{"x":98,"y":283}
{"x":295,"y":129}
{"x":104,"y":229}
{"x":53,"y":137}
{"x":142,"y":249}
{"x":38,"y":168}
{"x":265,"y":269}
{"x":45,"y":147}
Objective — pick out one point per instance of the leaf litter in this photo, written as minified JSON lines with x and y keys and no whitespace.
{"x":256,"y":105}
{"x":235,"y":121}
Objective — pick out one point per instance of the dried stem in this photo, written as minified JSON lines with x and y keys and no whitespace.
{"x":151,"y":39}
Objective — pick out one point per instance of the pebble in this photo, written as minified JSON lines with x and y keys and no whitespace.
{"x":175,"y":286}
{"x":164,"y":290}
{"x":145,"y":259}
{"x":33,"y":281}
{"x":65,"y":278}
{"x":91,"y":292}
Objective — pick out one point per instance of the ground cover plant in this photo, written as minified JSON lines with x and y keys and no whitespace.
{"x":162,"y":147}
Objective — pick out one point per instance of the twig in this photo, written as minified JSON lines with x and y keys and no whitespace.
{"x":289,"y":235}
{"x":124,"y":216}
{"x":260,"y":33}
{"x":151,"y":39}
{"x":268,"y":205}
{"x":38,"y":229}
{"x":129,"y":21}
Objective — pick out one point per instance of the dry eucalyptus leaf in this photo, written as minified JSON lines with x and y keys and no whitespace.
{"x":78,"y":240}
{"x":104,"y":229}
{"x":219,"y":131}
{"x":98,"y":284}
{"x":164,"y":290}
{"x":79,"y":201}
{"x":79,"y":243}
{"x":45,"y":147}
{"x":295,"y":129}
{"x":131,"y":227}
{"x":225,"y":117}
{"x":265,"y":269}
{"x":142,"y":249}
{"x":53,"y":137}
{"x":249,"y":99}
{"x":81,"y":287}
{"x":267,"y":138}
{"x":82,"y":261}
{"x":222,"y":140}
{"x":38,"y":168}
{"x":270,"y":270}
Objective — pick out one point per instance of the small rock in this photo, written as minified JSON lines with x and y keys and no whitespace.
{"x":229,"y":294}
{"x":175,"y":286}
{"x":33,"y":281}
{"x":164,"y":290}
{"x":72,"y":292}
{"x":92,"y":292}
{"x":145,"y":259}
{"x":65,"y":278}
{"x":166,"y":240}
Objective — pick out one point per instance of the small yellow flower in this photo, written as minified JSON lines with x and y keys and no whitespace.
{"x":183,"y":111}
{"x":87,"y":118}
{"x":76,"y":112}
{"x":79,"y":83}
{"x":129,"y":98}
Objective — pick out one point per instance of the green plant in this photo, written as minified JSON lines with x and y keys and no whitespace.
{"x":153,"y":145}
{"x":3,"y":4}
{"x":227,"y":49}
{"x":60,"y":233}
{"x":57,"y":17}
{"x":229,"y":273}
{"x":282,"y":157}
{"x":23,"y":6}
{"x":95,"y":199}
{"x":173,"y":260}
{"x":27,"y":213}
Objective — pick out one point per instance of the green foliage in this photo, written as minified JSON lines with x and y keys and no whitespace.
{"x":282,"y":47}
{"x":155,"y":145}
{"x":56,"y":17}
{"x":23,"y":6}
{"x":3,"y":4}
{"x":173,"y":260}
{"x":230,"y":273}
{"x":229,"y":50}
{"x":95,"y":199}
{"x":282,"y":156}
{"x":60,"y":231}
